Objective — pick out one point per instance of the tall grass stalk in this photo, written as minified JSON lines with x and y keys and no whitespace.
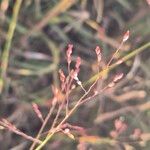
{"x":6,"y":51}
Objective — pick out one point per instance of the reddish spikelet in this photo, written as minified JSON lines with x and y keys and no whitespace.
{"x":137,"y":133}
{"x":118,"y":124}
{"x":75,"y":77}
{"x":54,"y":90}
{"x":62,"y":79}
{"x":95,"y":92}
{"x":118,"y":77}
{"x":58,"y":95}
{"x":10,"y":126}
{"x":97,"y":50}
{"x":68,"y":133}
{"x":68,"y":53}
{"x":98,"y":53}
{"x":126,"y":36}
{"x":62,"y":76}
{"x":37,"y":111}
{"x":74,"y":74}
{"x":112,"y":84}
{"x":114,"y":134}
{"x":73,"y":86}
{"x":78,"y":63}
{"x":77,"y":66}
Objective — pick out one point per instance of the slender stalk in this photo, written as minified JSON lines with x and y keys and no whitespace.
{"x":43,"y":125}
{"x":114,"y":54}
{"x":49,"y":136}
{"x":46,"y":140}
{"x":67,"y":90}
{"x":12,"y":128}
{"x":57,"y":115}
{"x":93,"y":79}
{"x":123,"y":59}
{"x":10,"y":34}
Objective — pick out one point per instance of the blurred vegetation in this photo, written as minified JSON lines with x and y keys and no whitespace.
{"x":34,"y":36}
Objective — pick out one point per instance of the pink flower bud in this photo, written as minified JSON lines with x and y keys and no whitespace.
{"x":113,"y":134}
{"x":55,"y":90}
{"x":137,"y":133}
{"x":37,"y":111}
{"x":62,"y":76}
{"x":126,"y":36}
{"x":67,"y":132}
{"x":118,"y":124}
{"x":97,"y":50}
{"x":98,"y":53}
{"x":78,"y":62}
{"x":68,"y":53}
{"x":118,"y":77}
{"x":112,"y":84}
{"x":74,"y":74}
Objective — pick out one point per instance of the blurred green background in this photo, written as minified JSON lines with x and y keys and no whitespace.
{"x":33,"y":39}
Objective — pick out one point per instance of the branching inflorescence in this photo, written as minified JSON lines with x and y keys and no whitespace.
{"x":61,"y":99}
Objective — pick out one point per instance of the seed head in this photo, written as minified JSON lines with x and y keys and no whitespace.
{"x":118,"y":77}
{"x":68,"y":53}
{"x":112,"y":84}
{"x":98,"y":53}
{"x":62,"y":76}
{"x":78,"y":62}
{"x":126,"y":36}
{"x":37,"y":111}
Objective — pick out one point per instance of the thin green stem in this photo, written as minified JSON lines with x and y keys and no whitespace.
{"x":6,"y":51}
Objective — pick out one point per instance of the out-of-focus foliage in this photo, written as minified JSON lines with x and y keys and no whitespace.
{"x":43,"y":30}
